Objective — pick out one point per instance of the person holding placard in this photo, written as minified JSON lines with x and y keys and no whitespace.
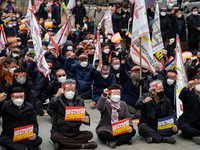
{"x":115,"y":127}
{"x":69,"y":112}
{"x":20,"y":127}
{"x":189,"y":121}
{"x":157,"y":123}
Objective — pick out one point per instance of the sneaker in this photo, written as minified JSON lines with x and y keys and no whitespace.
{"x":111,"y":144}
{"x":196,"y":139}
{"x":39,"y":108}
{"x":149,"y":139}
{"x":170,"y":140}
{"x":46,"y":102}
{"x":89,"y":145}
{"x":93,"y":104}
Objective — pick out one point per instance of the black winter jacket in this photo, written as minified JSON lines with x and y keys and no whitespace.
{"x":55,"y":11}
{"x":14,"y":117}
{"x":117,"y":22}
{"x":68,"y":128}
{"x":80,"y":13}
{"x":42,"y":13}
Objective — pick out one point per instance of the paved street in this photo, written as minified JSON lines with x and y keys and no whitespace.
{"x":137,"y":143}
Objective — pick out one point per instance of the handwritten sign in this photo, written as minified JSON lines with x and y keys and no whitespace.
{"x":75,"y":113}
{"x":165,"y":123}
{"x":120,"y":127}
{"x":22,"y":133}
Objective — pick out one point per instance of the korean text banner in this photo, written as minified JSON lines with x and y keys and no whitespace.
{"x":22,"y":133}
{"x":120,"y":127}
{"x":75,"y":113}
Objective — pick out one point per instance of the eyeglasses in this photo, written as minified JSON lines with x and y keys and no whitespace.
{"x":63,"y":75}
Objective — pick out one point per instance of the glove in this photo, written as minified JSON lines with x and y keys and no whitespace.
{"x":194,"y":62}
{"x":35,"y":59}
{"x":90,"y":42}
{"x":141,"y":82}
{"x":46,"y":9}
{"x":96,"y":63}
{"x":124,"y":55}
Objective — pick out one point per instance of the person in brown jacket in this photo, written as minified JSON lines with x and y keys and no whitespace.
{"x":6,"y":76}
{"x":113,"y":110}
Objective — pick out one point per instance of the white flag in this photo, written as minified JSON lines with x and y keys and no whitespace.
{"x":71,"y":4}
{"x":98,"y":52}
{"x":3,"y":39}
{"x":41,"y":62}
{"x":28,"y":13}
{"x":108,"y":22}
{"x":61,"y":35}
{"x":157,"y":42}
{"x":140,"y":29}
{"x":181,"y":80}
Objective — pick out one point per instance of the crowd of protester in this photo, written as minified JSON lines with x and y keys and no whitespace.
{"x":114,"y":89}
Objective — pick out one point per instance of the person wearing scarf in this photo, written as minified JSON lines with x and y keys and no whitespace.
{"x":113,"y":110}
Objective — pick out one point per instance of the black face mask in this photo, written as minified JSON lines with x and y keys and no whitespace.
{"x":91,"y":56}
{"x":161,"y":94}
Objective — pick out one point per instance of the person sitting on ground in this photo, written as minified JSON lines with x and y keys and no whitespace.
{"x":67,"y":134}
{"x":18,"y":113}
{"x":155,"y":105}
{"x":113,"y":110}
{"x":189,"y":121}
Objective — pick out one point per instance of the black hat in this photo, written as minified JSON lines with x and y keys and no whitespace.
{"x":99,"y":4}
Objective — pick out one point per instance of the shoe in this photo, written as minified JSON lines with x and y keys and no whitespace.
{"x":196,"y":139}
{"x":92,"y":104}
{"x":46,"y":102}
{"x":149,"y":139}
{"x":129,"y":142}
{"x":111,"y":144}
{"x":56,"y":146}
{"x":90,"y":145}
{"x":39,"y":108}
{"x":169,"y":140}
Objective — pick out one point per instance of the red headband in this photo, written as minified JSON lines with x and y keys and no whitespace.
{"x":156,"y":85}
{"x":112,"y":91}
{"x":135,"y":67}
{"x":12,"y":64}
{"x":16,"y":49}
{"x":79,"y":46}
{"x":196,"y":80}
{"x":50,"y":64}
{"x":30,"y":58}
{"x":198,"y":73}
{"x":18,"y":94}
{"x":20,"y":73}
{"x":115,"y":60}
{"x":171,"y":74}
{"x":106,"y":46}
{"x":157,"y":69}
{"x":103,"y":71}
{"x":84,"y":56}
{"x":13,"y":44}
{"x":68,"y":85}
{"x":60,"y":72}
{"x":69,"y":52}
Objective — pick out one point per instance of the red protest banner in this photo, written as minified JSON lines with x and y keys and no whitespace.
{"x":120,"y":127}
{"x":22,"y":133}
{"x":75,"y":113}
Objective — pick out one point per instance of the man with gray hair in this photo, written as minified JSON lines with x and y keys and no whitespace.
{"x":66,"y":133}
{"x":154,"y":105}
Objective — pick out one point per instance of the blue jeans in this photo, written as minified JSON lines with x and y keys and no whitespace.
{"x":95,"y":31}
{"x":95,"y":97}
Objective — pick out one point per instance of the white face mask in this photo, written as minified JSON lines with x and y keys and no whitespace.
{"x":106,"y":51}
{"x":17,"y":16}
{"x":101,"y":40}
{"x":84,"y":64}
{"x":15,"y":55}
{"x":14,"y":18}
{"x":109,"y":37}
{"x":12,"y":70}
{"x":197,"y":87}
{"x":125,"y":10}
{"x":116,"y":67}
{"x":41,"y":22}
{"x":170,"y":81}
{"x":105,"y":76}
{"x":115,"y":98}
{"x":119,"y":12}
{"x":179,"y":16}
{"x":70,"y":48}
{"x":163,"y":13}
{"x":49,"y":15}
{"x":14,"y":24}
{"x":18,"y":101}
{"x":21,"y":80}
{"x":10,"y":25}
{"x":69,"y":95}
{"x":62,"y":79}
{"x":195,"y":12}
{"x":19,"y":43}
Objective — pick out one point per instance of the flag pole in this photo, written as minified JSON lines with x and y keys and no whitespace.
{"x":140,"y":66}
